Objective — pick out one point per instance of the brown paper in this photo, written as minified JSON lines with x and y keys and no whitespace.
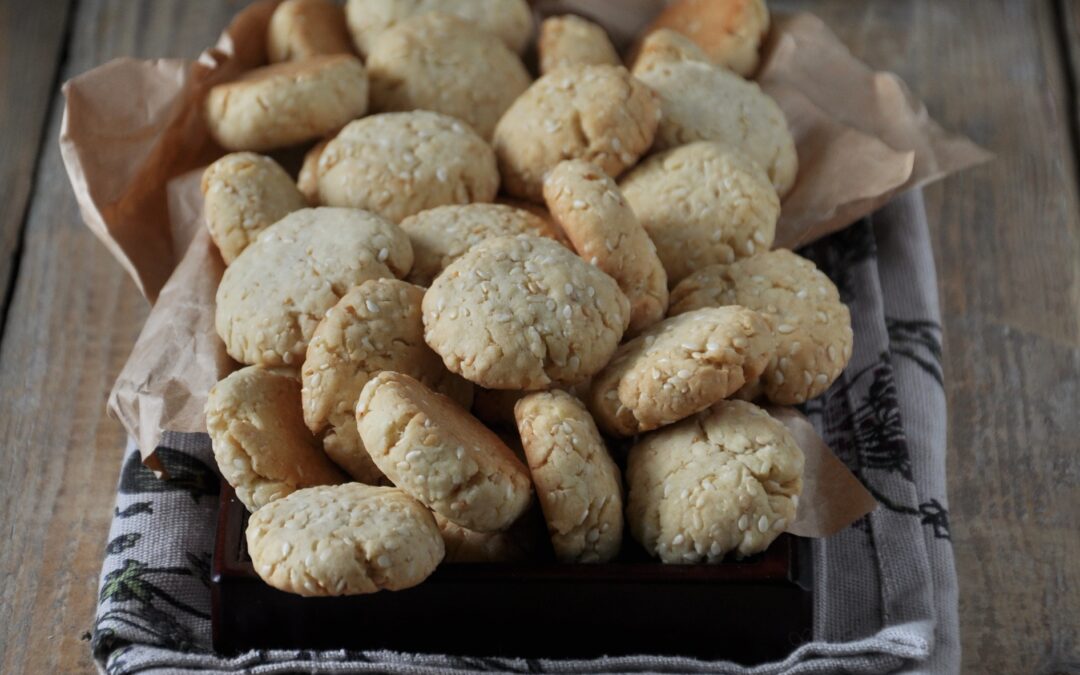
{"x":133,"y":142}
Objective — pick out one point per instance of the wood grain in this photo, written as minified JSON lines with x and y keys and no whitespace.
{"x":74,"y":316}
{"x":1007,"y":245}
{"x":32,"y":36}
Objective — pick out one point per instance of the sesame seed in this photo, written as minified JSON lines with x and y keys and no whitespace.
{"x":413,"y":455}
{"x":667,"y":489}
{"x":567,"y":312}
{"x":715,"y":549}
{"x":795,"y":501}
{"x":831,"y":351}
{"x":763,"y":524}
{"x":740,"y":342}
{"x":684,"y":494}
{"x":383,"y":560}
{"x":785,"y":328}
{"x":286,"y":549}
{"x":616,"y":144}
{"x":684,"y":374}
{"x":569,"y":288}
{"x":593,"y":535}
{"x":807,"y":377}
{"x":372,"y":306}
{"x":679,"y":538}
{"x":460,"y":452}
{"x":579,"y":204}
{"x":759,"y":237}
{"x":440,"y":174}
{"x":750,"y":248}
{"x":780,"y":524}
{"x":744,"y":522}
{"x":821,"y":378}
{"x":801,"y":294}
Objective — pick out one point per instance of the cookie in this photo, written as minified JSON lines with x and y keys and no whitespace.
{"x":301,"y":29}
{"x":440,"y":454}
{"x":376,"y":326}
{"x":706,"y":103}
{"x":524,"y":313}
{"x":308,"y":179}
{"x":344,"y":540}
{"x":441,"y":235}
{"x":604,"y":230}
{"x":466,"y":546}
{"x":260,"y":442}
{"x":398,"y":164}
{"x":439,"y":62}
{"x":571,"y":40}
{"x":678,"y":367}
{"x":276,"y":292}
{"x":576,"y":480}
{"x":243,"y":194}
{"x":727,"y":479}
{"x":664,"y":44}
{"x":510,"y":20}
{"x":287,"y":103}
{"x":729,"y":31}
{"x":702,"y":204}
{"x":597,"y":113}
{"x":810,"y":324}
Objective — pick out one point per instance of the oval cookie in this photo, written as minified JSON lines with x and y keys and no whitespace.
{"x":260,"y":442}
{"x":301,"y":29}
{"x":727,"y":479}
{"x":729,"y":31}
{"x":440,"y":454}
{"x":344,"y":540}
{"x":510,"y":20}
{"x":570,"y":40}
{"x":524,"y":313}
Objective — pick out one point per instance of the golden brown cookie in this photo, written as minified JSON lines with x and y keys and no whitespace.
{"x":276,"y":292}
{"x":664,"y":44}
{"x":727,"y":479}
{"x":729,"y":31}
{"x":440,"y":454}
{"x":398,"y":164}
{"x":524,"y":313}
{"x":260,"y":442}
{"x":301,"y":29}
{"x":597,"y":113}
{"x":344,"y":540}
{"x":441,"y":235}
{"x":243,"y":194}
{"x":287,"y":103}
{"x":810,"y":324}
{"x":376,"y":326}
{"x":466,"y":546}
{"x":707,"y":103}
{"x":510,"y":20}
{"x":702,"y":204}
{"x":678,"y":367}
{"x":576,"y":481}
{"x":439,"y":62}
{"x":604,"y":231}
{"x":570,"y":40}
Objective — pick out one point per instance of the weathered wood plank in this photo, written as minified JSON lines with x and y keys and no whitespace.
{"x":73,"y":318}
{"x":1007,"y":244}
{"x":32,"y":36}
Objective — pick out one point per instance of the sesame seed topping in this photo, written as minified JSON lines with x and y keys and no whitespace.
{"x":440,"y":174}
{"x":579,"y":204}
{"x":286,"y":549}
{"x":679,"y":538}
{"x":567,"y":312}
{"x":569,"y":288}
{"x":684,"y":374}
{"x":780,"y":524}
{"x":383,"y":560}
{"x":413,"y":455}
{"x":763,"y":524}
{"x":744,"y":522}
{"x":759,"y":237}
{"x":384,"y":253}
{"x":372,"y":306}
{"x":831,"y":351}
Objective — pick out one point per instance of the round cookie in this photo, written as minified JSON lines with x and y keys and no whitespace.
{"x":605,"y":231}
{"x":344,"y":540}
{"x":276,"y":292}
{"x":439,"y":62}
{"x":810,"y":324}
{"x":308,"y":179}
{"x":729,"y":31}
{"x":664,"y":44}
{"x":678,"y":367}
{"x":398,"y":164}
{"x":287,"y":103}
{"x":243,"y":194}
{"x":571,"y":40}
{"x":376,"y":326}
{"x":510,"y":20}
{"x":702,"y":204}
{"x":597,"y":113}
{"x":440,"y":454}
{"x":576,"y":480}
{"x":441,"y":235}
{"x":260,"y":442}
{"x":727,"y":479}
{"x":301,"y":29}
{"x":524,"y":313}
{"x":705,"y":103}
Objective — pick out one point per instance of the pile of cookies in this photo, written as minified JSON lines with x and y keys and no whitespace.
{"x":479,"y":282}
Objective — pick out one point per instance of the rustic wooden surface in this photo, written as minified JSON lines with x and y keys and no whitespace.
{"x":1007,"y":243}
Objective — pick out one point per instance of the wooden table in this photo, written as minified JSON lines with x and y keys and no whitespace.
{"x":1007,"y":241}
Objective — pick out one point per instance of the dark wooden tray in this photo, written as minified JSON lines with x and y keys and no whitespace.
{"x":750,"y":611}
